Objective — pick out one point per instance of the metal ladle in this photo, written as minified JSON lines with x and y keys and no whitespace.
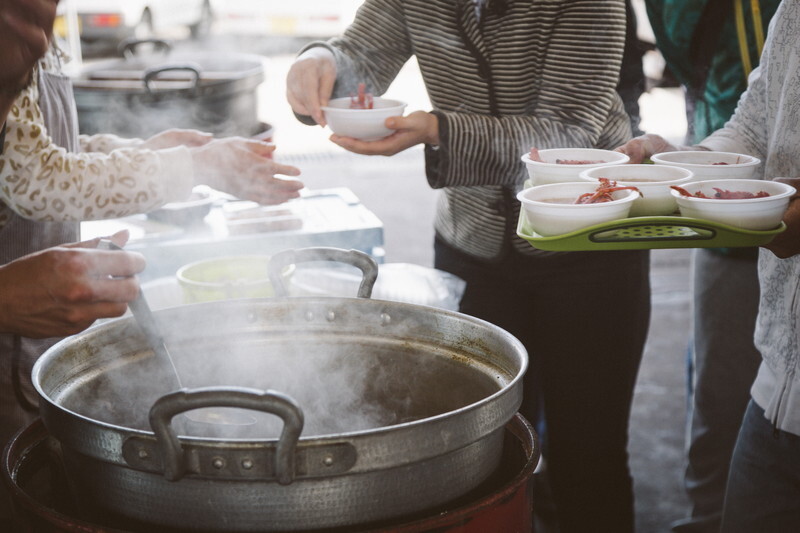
{"x":144,"y":317}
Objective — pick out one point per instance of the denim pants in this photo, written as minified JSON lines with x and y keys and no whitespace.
{"x":763,"y":494}
{"x":583,"y":317}
{"x":724,"y":364}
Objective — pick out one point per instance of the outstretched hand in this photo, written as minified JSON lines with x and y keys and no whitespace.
{"x":245,"y":168}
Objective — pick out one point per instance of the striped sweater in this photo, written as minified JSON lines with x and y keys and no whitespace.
{"x":537,"y":73}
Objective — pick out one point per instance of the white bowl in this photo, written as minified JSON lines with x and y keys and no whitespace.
{"x":653,"y":182}
{"x":362,"y":124}
{"x":548,"y":171}
{"x":550,"y":209}
{"x":751,"y":213}
{"x":705,"y":165}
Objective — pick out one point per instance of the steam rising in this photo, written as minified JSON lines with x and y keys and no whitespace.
{"x":343,"y":382}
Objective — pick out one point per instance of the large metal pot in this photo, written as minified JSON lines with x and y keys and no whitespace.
{"x":142,"y":94}
{"x":443,"y":384}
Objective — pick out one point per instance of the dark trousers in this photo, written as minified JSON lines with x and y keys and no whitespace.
{"x":583,"y":317}
{"x":763,"y":493}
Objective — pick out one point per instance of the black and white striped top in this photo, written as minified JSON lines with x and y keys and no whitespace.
{"x":530,"y":73}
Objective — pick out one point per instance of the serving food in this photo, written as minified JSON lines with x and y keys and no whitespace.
{"x":653,"y":181}
{"x":352,"y":117}
{"x":559,"y":165}
{"x":553,"y":209}
{"x":742,"y":203}
{"x":708,"y":165}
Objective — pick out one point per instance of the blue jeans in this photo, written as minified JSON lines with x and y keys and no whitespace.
{"x":583,"y":317}
{"x":723,"y":366}
{"x":763,"y":494}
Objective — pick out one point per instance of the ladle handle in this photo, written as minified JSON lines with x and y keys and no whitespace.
{"x":144,"y":317}
{"x":172,"y":404}
{"x":367,"y":265}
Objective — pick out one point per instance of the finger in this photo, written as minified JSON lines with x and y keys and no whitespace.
{"x":120,"y":238}
{"x":325,"y":90}
{"x":297,"y":105}
{"x":106,"y":264}
{"x":288,"y":170}
{"x":263,"y":148}
{"x":114,"y":290}
{"x":385,"y":146}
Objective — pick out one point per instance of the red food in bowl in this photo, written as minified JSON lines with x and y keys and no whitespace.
{"x":363,"y":100}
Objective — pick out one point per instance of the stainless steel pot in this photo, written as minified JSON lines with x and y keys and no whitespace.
{"x":444,"y":384}
{"x":142,"y":94}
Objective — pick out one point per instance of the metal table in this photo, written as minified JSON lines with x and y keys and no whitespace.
{"x":330,"y":217}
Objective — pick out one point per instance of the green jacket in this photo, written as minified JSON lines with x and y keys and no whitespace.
{"x":674,"y":22}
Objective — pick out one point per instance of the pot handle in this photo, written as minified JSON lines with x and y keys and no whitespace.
{"x":152,"y":73}
{"x":174,"y":403}
{"x":127,"y":48}
{"x":364,"y":262}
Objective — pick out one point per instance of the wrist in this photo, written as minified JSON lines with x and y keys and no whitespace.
{"x":432,"y":137}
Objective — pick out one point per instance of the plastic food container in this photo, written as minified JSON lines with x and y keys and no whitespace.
{"x":653,"y":181}
{"x":550,"y":209}
{"x":549,"y":171}
{"x":711,"y":165}
{"x":747,"y":213}
{"x":362,"y":124}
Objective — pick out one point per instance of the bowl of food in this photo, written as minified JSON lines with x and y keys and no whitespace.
{"x":226,"y":278}
{"x":362,"y":116}
{"x":742,"y":203}
{"x":710,"y":165}
{"x":559,"y":165}
{"x":653,"y":181}
{"x":558,"y":208}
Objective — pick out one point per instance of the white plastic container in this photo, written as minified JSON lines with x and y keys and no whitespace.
{"x":711,"y":165}
{"x":549,"y":171}
{"x":751,"y":213}
{"x":550,"y":209}
{"x":653,"y":181}
{"x":362,"y":124}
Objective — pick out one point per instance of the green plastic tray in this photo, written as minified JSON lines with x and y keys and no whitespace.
{"x":640,"y":233}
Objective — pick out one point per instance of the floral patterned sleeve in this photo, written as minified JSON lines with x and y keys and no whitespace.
{"x":42,"y":181}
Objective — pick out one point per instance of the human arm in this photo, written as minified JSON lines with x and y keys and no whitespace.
{"x":106,"y":143}
{"x":62,"y":290}
{"x":45,"y":182}
{"x":540,"y":100}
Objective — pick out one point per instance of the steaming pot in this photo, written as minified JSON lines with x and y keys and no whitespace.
{"x":139,"y":95}
{"x":447,"y":384}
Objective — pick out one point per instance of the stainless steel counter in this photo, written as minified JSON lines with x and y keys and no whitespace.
{"x":327,"y":217}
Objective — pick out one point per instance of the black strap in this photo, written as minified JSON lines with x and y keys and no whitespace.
{"x":705,"y":40}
